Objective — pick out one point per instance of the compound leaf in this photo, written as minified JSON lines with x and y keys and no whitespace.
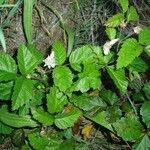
{"x":28,"y":58}
{"x":62,"y":78}
{"x":60,"y":52}
{"x":22,"y":92}
{"x":8,"y":67}
{"x":115,"y":20}
{"x":144,"y":36}
{"x":42,"y":117}
{"x":6,"y":90}
{"x":67,"y":119}
{"x":128,"y":52}
{"x":55,"y":100}
{"x":81,"y":55}
{"x":128,"y":128}
{"x":16,"y":120}
{"x":119,"y":78}
{"x":145,"y":112}
{"x":132,"y":14}
{"x":124,"y":4}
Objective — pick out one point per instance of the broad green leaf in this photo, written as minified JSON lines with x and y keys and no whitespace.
{"x":147,"y":50}
{"x":119,"y":78}
{"x":16,"y":120}
{"x":1,"y":2}
{"x":86,"y":102}
{"x":8,"y":67}
{"x":60,"y":52}
{"x":132,"y":14}
{"x":38,"y":142}
{"x":42,"y":117}
{"x":124,"y":4}
{"x":4,"y":129}
{"x":27,"y":19}
{"x":111,"y":33}
{"x":23,"y":92}
{"x":81,"y":55}
{"x":128,"y":52}
{"x":2,"y":39}
{"x":70,"y":35}
{"x":101,"y":119}
{"x":144,"y":144}
{"x":67,"y":119}
{"x":109,"y":97}
{"x":144,"y":36}
{"x":138,"y":65}
{"x":145,"y":112}
{"x":113,"y":113}
{"x":6,"y":90}
{"x":146,"y":89}
{"x":128,"y":128}
{"x":55,"y":100}
{"x":62,"y":78}
{"x":115,"y":20}
{"x":28,"y":59}
{"x":89,"y":78}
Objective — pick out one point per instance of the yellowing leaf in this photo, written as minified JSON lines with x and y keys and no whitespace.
{"x":86,"y":131}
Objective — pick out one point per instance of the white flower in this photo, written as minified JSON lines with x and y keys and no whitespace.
{"x":137,"y":29}
{"x":50,"y":61}
{"x":108,"y":45}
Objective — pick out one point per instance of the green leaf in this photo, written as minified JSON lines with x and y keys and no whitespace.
{"x":89,"y":78}
{"x":128,"y":128}
{"x":16,"y":120}
{"x":124,"y":4}
{"x":23,"y":92}
{"x":71,"y":35}
{"x":28,"y":59}
{"x":109,"y":97}
{"x":147,"y":50}
{"x":145,"y":112}
{"x":62,"y":78}
{"x":4,"y":129}
{"x":2,"y":39}
{"x":40,"y":143}
{"x":144,"y":144}
{"x":1,"y":2}
{"x":144,"y":36}
{"x":113,"y":114}
{"x":27,"y":19}
{"x":132,"y":14}
{"x":115,"y":20}
{"x":138,"y":65}
{"x":87,"y":103}
{"x":128,"y":52}
{"x":43,"y":117}
{"x":67,"y":119}
{"x":111,"y":33}
{"x":146,"y":89}
{"x":55,"y":100}
{"x":6,"y":90}
{"x":80,"y":56}
{"x":101,"y":119}
{"x":8,"y":67}
{"x":119,"y":78}
{"x":60,"y":52}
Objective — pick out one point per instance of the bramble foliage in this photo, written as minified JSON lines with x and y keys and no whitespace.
{"x":36,"y":99}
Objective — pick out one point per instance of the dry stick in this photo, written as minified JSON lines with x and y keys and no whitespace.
{"x":129,"y":99}
{"x":92,"y":27}
{"x":43,"y":20}
{"x":58,"y":16}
